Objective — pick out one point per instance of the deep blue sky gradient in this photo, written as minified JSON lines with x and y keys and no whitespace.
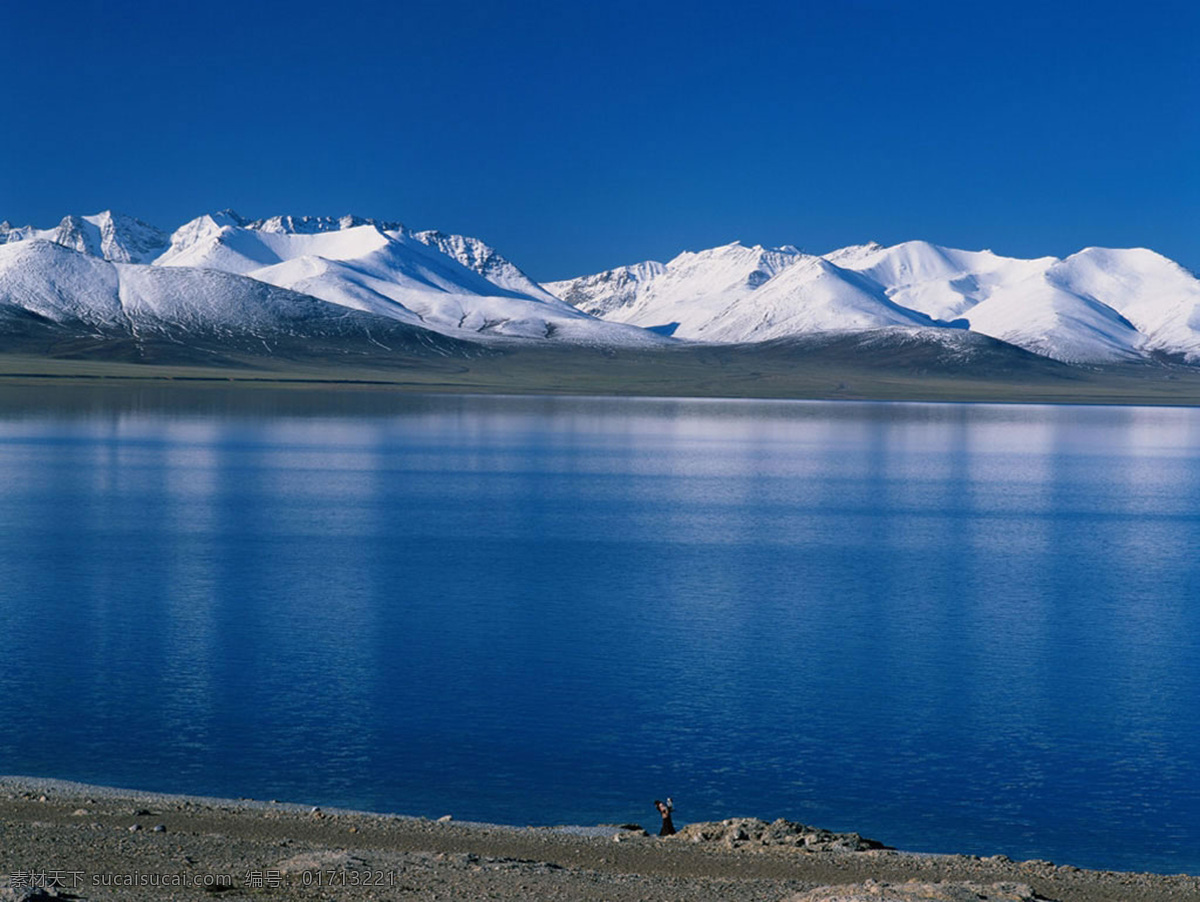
{"x":578,"y":136}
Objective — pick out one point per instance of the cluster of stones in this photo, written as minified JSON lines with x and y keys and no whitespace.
{"x":738,"y":831}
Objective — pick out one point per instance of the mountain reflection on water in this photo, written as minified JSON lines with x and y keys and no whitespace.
{"x":951,"y":627}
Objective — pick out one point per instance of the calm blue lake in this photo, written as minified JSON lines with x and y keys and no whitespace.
{"x":949,"y":627}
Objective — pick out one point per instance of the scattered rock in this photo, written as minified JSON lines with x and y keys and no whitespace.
{"x":871,"y":891}
{"x":80,"y":812}
{"x":629,"y":832}
{"x":134,"y":828}
{"x":751,"y":830}
{"x":160,"y":828}
{"x":445,"y":819}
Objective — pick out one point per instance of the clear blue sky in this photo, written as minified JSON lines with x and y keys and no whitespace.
{"x":575,"y":136}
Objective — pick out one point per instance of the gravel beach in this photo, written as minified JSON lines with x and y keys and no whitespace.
{"x":73,"y":841}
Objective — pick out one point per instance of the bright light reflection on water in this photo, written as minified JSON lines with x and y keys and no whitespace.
{"x":954,"y":628}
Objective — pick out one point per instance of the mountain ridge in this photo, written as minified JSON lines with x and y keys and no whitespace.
{"x":1099,"y":305}
{"x":1096,"y":306}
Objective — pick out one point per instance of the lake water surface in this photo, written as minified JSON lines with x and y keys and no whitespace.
{"x":949,"y":627}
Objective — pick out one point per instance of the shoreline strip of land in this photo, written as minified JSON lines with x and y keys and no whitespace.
{"x":776,"y":372}
{"x":71,"y":840}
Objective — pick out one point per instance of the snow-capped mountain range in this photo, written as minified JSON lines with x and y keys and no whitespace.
{"x":1096,"y":306}
{"x":117,"y":238}
{"x":226,"y":275}
{"x":221,"y":273}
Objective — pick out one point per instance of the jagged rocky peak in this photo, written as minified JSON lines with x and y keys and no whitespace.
{"x":470,"y":252}
{"x":311,"y":225}
{"x":124,"y":239}
{"x":729,"y":266}
{"x":11,"y":233}
{"x":604,"y":292}
{"x":113,"y":236}
{"x":1099,"y":305}
{"x":848,"y":256}
{"x":484,"y":259}
{"x":74,"y":232}
{"x":736,"y":250}
{"x":206,"y":226}
{"x":736,"y":263}
{"x":228,"y":217}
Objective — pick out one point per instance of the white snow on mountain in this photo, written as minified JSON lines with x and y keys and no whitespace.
{"x":939,"y":282}
{"x":736,"y":293}
{"x":386,"y":270}
{"x":1040,"y":317}
{"x":1004,"y":297}
{"x":445,"y":283}
{"x":81,"y":290}
{"x":1155,"y":295}
{"x":689,"y":297}
{"x":479,"y":257}
{"x":226,"y":242}
{"x":59,"y":284}
{"x":113,"y":236}
{"x":1094,"y":307}
{"x":813,"y":295}
{"x":605,"y":292}
{"x":309,"y":225}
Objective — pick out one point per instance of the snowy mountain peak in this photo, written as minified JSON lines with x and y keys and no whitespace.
{"x":736,"y":250}
{"x":1097,"y":305}
{"x":848,"y":256}
{"x":124,"y":239}
{"x":79,"y":235}
{"x":479,"y":257}
{"x":306,"y":270}
{"x":730,"y":267}
{"x":206,"y":225}
{"x":10,"y":234}
{"x":228,"y":242}
{"x":687,"y":296}
{"x":311,"y":225}
{"x":205,"y":228}
{"x":605,"y":292}
{"x":113,"y":236}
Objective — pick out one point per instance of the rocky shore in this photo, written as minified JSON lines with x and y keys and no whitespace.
{"x":71,"y":841}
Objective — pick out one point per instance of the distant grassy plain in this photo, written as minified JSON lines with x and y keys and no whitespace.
{"x":828,"y":370}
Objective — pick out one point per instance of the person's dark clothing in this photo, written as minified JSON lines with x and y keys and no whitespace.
{"x":664,"y":809}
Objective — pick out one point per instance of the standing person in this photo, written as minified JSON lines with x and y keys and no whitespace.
{"x":665,"y":809}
